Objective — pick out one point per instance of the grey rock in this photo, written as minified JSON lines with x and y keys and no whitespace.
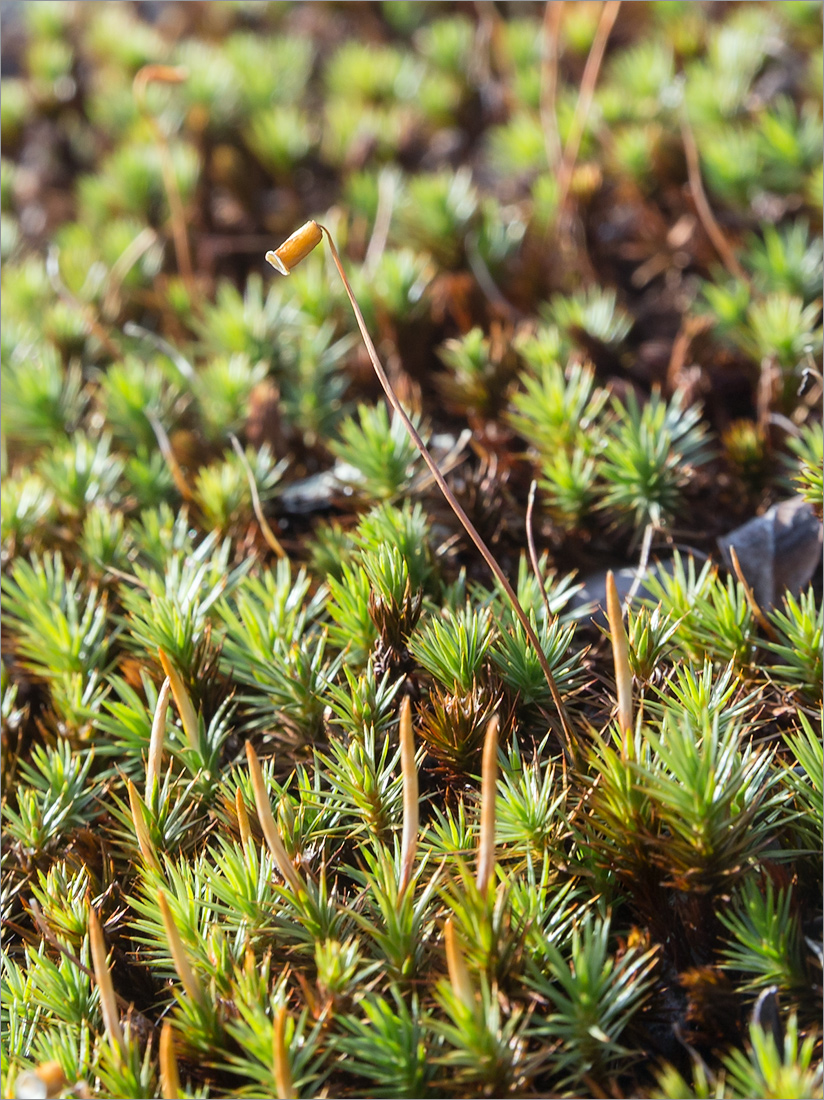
{"x":778,"y":552}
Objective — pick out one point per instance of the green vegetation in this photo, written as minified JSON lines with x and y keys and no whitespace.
{"x":292,"y":805}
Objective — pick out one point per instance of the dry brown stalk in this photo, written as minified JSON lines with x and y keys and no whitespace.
{"x":108,"y":1001}
{"x":489,"y":779}
{"x":609,"y":14}
{"x":702,"y":205}
{"x":553,"y":11}
{"x":411,"y":808}
{"x":620,"y":654}
{"x":188,"y":979}
{"x":267,"y":822}
{"x":169,"y":1076}
{"x":168,"y":74}
{"x":292,"y":251}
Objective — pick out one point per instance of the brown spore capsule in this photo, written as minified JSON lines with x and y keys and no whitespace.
{"x":295,"y":248}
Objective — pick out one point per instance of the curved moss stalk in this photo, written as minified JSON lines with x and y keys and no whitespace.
{"x":283,"y":259}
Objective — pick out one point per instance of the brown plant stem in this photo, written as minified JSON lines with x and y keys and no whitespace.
{"x":121,"y":268}
{"x":451,"y":500}
{"x":755,"y":607}
{"x":269,"y":826}
{"x":169,"y":1076}
{"x":456,"y":965}
{"x":188,"y":978}
{"x":268,"y":533}
{"x":167,"y":74}
{"x":144,"y":840}
{"x":643,"y":563}
{"x":623,"y":672}
{"x":182,"y":698}
{"x":108,"y":1001}
{"x":609,"y":14}
{"x":387,"y":189}
{"x":702,"y":205}
{"x":280,"y":1056}
{"x":169,"y":458}
{"x":84,"y":308}
{"x":411,"y":808}
{"x":50,"y":937}
{"x":243,"y":823}
{"x":533,"y":553}
{"x":553,"y":10}
{"x":485,"y":875}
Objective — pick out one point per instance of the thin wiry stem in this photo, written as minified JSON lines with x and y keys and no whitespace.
{"x":169,"y":457}
{"x":643,"y":562}
{"x":553,"y":11}
{"x":533,"y":553}
{"x":268,"y":533}
{"x":387,"y":189}
{"x":48,"y":935}
{"x":755,"y":607}
{"x":585,"y":96}
{"x":620,"y":653}
{"x":702,"y":205}
{"x":169,"y":350}
{"x":467,"y":524}
{"x":167,"y":74}
{"x":121,"y":268}
{"x":484,"y":279}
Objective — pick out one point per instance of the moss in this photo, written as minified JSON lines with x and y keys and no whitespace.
{"x":227,"y":870}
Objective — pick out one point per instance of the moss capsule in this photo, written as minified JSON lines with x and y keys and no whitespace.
{"x":295,"y":248}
